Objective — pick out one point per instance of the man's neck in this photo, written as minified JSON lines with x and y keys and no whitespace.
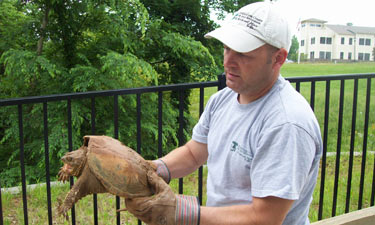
{"x":246,"y":98}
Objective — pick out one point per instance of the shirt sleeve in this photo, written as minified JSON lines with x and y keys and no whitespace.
{"x":201,"y":129}
{"x":282,"y":162}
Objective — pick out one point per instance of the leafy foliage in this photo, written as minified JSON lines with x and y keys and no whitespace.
{"x":64,"y":46}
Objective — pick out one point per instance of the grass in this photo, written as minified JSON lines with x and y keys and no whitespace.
{"x":342,"y":186}
{"x":317,"y":69}
{"x":37,"y":205}
{"x":37,"y":202}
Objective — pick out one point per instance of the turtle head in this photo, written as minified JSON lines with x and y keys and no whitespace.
{"x":75,"y":160}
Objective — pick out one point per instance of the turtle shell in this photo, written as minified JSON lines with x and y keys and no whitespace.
{"x":121,"y":170}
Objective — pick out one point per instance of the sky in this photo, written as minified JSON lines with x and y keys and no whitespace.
{"x":357,"y":12}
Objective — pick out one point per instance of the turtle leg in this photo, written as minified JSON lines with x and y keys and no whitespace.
{"x":86,"y":184}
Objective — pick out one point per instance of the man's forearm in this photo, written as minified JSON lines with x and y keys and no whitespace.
{"x":186,"y":159}
{"x":231,"y":215}
{"x":263,"y":211}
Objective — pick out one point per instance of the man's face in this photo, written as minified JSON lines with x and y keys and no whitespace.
{"x":250,"y":74}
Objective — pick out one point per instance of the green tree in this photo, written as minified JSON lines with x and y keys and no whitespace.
{"x":293,"y":51}
{"x":61,"y":46}
{"x":64,"y":46}
{"x":224,"y":7}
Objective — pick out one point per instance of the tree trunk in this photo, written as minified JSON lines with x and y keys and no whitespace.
{"x":43,"y":31}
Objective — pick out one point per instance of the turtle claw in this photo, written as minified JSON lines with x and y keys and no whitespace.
{"x":121,"y":210}
{"x":61,"y":210}
{"x":64,"y":173}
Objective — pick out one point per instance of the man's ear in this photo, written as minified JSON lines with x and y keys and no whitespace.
{"x":280,"y":57}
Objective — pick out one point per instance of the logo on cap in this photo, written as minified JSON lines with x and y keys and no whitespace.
{"x":251,"y":21}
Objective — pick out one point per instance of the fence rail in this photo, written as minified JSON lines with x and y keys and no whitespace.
{"x":308,"y":85}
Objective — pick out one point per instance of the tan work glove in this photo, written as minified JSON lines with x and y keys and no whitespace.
{"x":164,"y":208}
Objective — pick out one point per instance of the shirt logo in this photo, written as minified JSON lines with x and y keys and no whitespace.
{"x":244,"y":153}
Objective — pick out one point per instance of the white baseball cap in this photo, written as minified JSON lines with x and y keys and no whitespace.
{"x":253,"y":26}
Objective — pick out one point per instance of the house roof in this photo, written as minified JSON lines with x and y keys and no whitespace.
{"x":342,"y":29}
{"x":314,"y":20}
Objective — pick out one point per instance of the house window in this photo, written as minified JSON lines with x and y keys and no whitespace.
{"x":312,"y":40}
{"x":350,"y":56}
{"x":302,"y":42}
{"x":368,"y":42}
{"x":325,"y":40}
{"x":360,"y":56}
{"x":350,"y":41}
{"x":321,"y":55}
{"x":341,"y":55}
{"x":342,"y":40}
{"x":328,"y":55}
{"x":367,"y":56}
{"x":361,"y":41}
{"x":312,"y":55}
{"x":325,"y":55}
{"x":315,"y":25}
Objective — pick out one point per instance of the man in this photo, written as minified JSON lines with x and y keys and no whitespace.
{"x":259,"y":137}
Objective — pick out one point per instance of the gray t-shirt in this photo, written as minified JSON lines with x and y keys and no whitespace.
{"x":270,"y":147}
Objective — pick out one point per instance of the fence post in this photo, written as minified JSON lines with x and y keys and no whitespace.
{"x":1,"y":208}
{"x":222,"y":81}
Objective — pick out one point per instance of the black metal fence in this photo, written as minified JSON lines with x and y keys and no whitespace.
{"x":317,"y":89}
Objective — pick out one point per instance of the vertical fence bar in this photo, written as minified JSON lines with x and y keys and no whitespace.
{"x":115,"y":120}
{"x":93,"y":116}
{"x":338,"y":147}
{"x":364,"y":151}
{"x":1,"y":208}
{"x":222,"y":81}
{"x":324,"y":158}
{"x":46,"y":160}
{"x":139,"y":143}
{"x":373,"y":180}
{"x":200,"y":170}
{"x":372,"y":201}
{"x":298,"y":86}
{"x":139,"y":130}
{"x":93,"y":131}
{"x":160,"y":128}
{"x":352,"y":140}
{"x":312,"y":95}
{"x":22,"y":162}
{"x":160,"y":124}
{"x":115,"y":116}
{"x":70,"y":148}
{"x":181,"y":134}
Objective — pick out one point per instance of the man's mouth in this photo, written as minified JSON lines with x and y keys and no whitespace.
{"x":231,"y":75}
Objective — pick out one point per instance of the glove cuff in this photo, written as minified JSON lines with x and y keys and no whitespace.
{"x":162,"y":170}
{"x":187,"y":210}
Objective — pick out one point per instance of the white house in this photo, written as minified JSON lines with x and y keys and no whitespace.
{"x":321,"y":41}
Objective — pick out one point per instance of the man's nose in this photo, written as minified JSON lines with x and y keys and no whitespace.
{"x":229,"y":57}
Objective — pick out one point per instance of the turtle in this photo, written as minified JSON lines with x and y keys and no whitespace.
{"x":104,"y":165}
